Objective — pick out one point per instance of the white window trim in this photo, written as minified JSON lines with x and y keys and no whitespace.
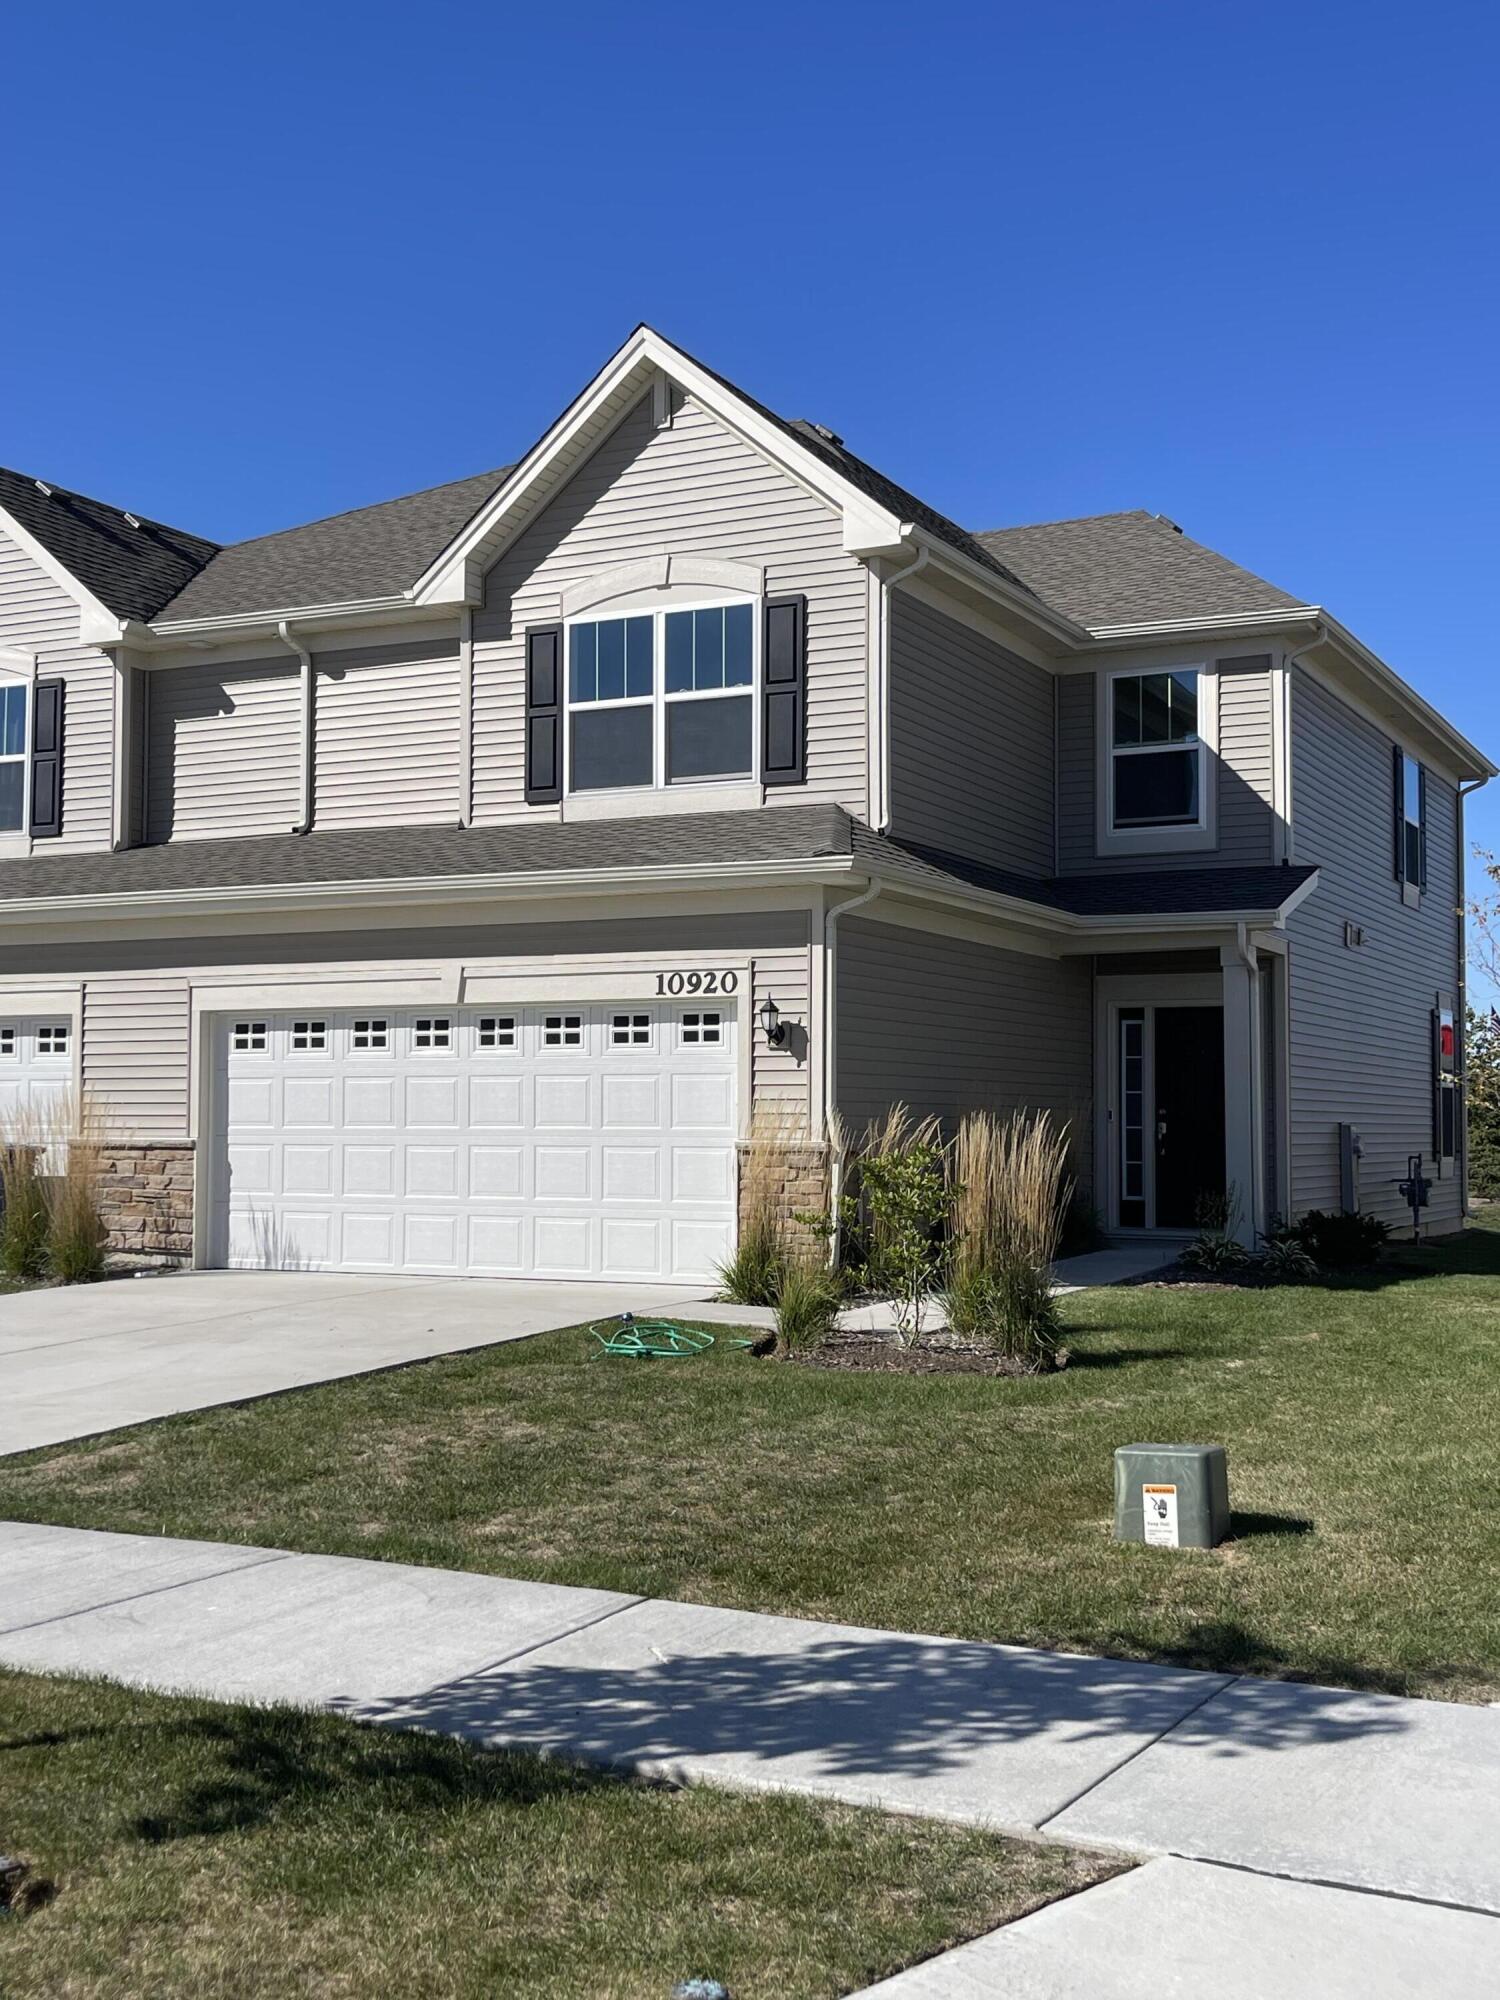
{"x":1192,"y":836}
{"x":659,"y":699}
{"x":15,"y":666}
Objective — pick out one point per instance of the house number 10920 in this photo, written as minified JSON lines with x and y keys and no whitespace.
{"x":697,"y":982}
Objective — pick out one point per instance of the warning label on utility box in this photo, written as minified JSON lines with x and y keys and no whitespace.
{"x":1159,"y":1508}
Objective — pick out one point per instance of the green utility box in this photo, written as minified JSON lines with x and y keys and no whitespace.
{"x":1172,"y":1496}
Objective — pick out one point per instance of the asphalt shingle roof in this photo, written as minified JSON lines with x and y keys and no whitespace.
{"x":792,"y":833}
{"x":132,"y":571}
{"x":374,"y":551}
{"x":1133,"y":568}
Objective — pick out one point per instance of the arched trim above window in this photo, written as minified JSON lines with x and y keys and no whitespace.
{"x":662,"y":572}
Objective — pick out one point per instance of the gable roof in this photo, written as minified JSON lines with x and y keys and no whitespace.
{"x":1130,"y":569}
{"x":369,"y":552}
{"x":131,"y":569}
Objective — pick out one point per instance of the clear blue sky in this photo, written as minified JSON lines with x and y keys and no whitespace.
{"x":1237,"y":264}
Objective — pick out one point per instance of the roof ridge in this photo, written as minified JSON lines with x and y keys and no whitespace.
{"x":1077,"y":520}
{"x":497,"y":473}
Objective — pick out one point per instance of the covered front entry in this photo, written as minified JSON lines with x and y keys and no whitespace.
{"x":1170,"y":1119}
{"x":556,"y":1141}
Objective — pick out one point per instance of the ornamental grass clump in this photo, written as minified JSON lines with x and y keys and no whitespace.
{"x":807,"y":1304}
{"x":76,"y":1236}
{"x":24,"y":1221}
{"x":1010,"y":1195}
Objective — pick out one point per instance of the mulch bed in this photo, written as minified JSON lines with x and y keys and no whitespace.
{"x":877,"y":1353}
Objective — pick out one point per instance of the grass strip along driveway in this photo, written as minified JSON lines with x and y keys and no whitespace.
{"x":1360,"y":1421}
{"x":198,"y":1849}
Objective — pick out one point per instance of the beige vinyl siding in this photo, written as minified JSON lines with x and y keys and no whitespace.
{"x":947,"y":1025}
{"x":224,"y":750}
{"x":38,"y":616}
{"x":691,"y":488}
{"x":136,"y":990}
{"x":1242,"y":776}
{"x":135,"y":1053}
{"x":971,"y":742}
{"x":1361,"y":1047}
{"x":387,"y":748}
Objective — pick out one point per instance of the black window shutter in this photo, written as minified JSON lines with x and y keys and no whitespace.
{"x":1422,"y":818}
{"x":783,"y":743}
{"x":1398,"y":796}
{"x":46,"y":759}
{"x":544,"y":726}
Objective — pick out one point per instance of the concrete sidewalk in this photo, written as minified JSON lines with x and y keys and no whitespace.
{"x":1314,"y":1787}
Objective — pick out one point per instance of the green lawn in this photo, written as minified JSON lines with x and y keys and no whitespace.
{"x":1361,"y":1425}
{"x":205,"y":1851}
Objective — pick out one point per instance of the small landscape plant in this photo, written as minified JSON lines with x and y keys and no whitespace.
{"x":904,"y":1191}
{"x":1284,"y":1261}
{"x":807,"y":1305}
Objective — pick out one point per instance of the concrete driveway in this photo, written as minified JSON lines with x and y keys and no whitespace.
{"x":92,"y":1358}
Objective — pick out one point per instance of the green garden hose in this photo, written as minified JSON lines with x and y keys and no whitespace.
{"x":653,"y":1339}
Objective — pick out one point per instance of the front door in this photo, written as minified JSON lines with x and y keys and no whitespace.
{"x":1188,"y":1066}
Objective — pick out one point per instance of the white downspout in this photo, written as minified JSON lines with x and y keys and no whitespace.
{"x":880,"y":818}
{"x":305,"y":812}
{"x":1250,"y":959}
{"x":1461,"y":995}
{"x":466,"y":714}
{"x":830,"y":1037}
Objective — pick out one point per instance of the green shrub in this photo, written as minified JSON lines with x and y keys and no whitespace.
{"x":1341,"y":1240}
{"x":807,"y":1305}
{"x":909,"y":1201}
{"x":24,"y":1221}
{"x":1011,"y":1310}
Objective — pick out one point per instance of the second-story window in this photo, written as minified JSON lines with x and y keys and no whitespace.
{"x":661,"y":698}
{"x":1156,"y":753}
{"x":1411,"y":819}
{"x":12,"y":756}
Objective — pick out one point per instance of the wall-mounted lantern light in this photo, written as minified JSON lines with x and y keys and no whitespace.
{"x":772,"y":1023}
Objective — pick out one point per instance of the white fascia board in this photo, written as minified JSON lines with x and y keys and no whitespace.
{"x":867,"y":526}
{"x":97,"y":616}
{"x":1301,"y":616}
{"x":230,"y":901}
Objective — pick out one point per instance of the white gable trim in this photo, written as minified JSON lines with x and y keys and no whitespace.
{"x":94,"y":619}
{"x":625,"y":377}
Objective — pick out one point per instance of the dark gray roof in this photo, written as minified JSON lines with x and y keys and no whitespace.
{"x":1162,"y":892}
{"x":374,"y":551}
{"x":792,"y":833}
{"x":396,"y":853}
{"x":131,"y":570}
{"x":1130,"y":569}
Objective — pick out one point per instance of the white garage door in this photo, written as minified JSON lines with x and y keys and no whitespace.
{"x":548,"y":1142}
{"x":36,"y":1072}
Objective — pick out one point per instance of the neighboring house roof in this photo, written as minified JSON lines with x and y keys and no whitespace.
{"x":132,"y":566}
{"x":693,"y":842}
{"x":1130,"y":569}
{"x":377,"y":551}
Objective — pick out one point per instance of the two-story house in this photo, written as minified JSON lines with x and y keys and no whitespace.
{"x":441,"y":886}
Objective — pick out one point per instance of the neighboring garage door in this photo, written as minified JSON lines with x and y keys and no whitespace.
{"x":36,"y":1072}
{"x":548,"y":1142}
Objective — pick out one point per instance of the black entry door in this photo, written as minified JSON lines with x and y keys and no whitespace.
{"x":1189,"y":1065}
